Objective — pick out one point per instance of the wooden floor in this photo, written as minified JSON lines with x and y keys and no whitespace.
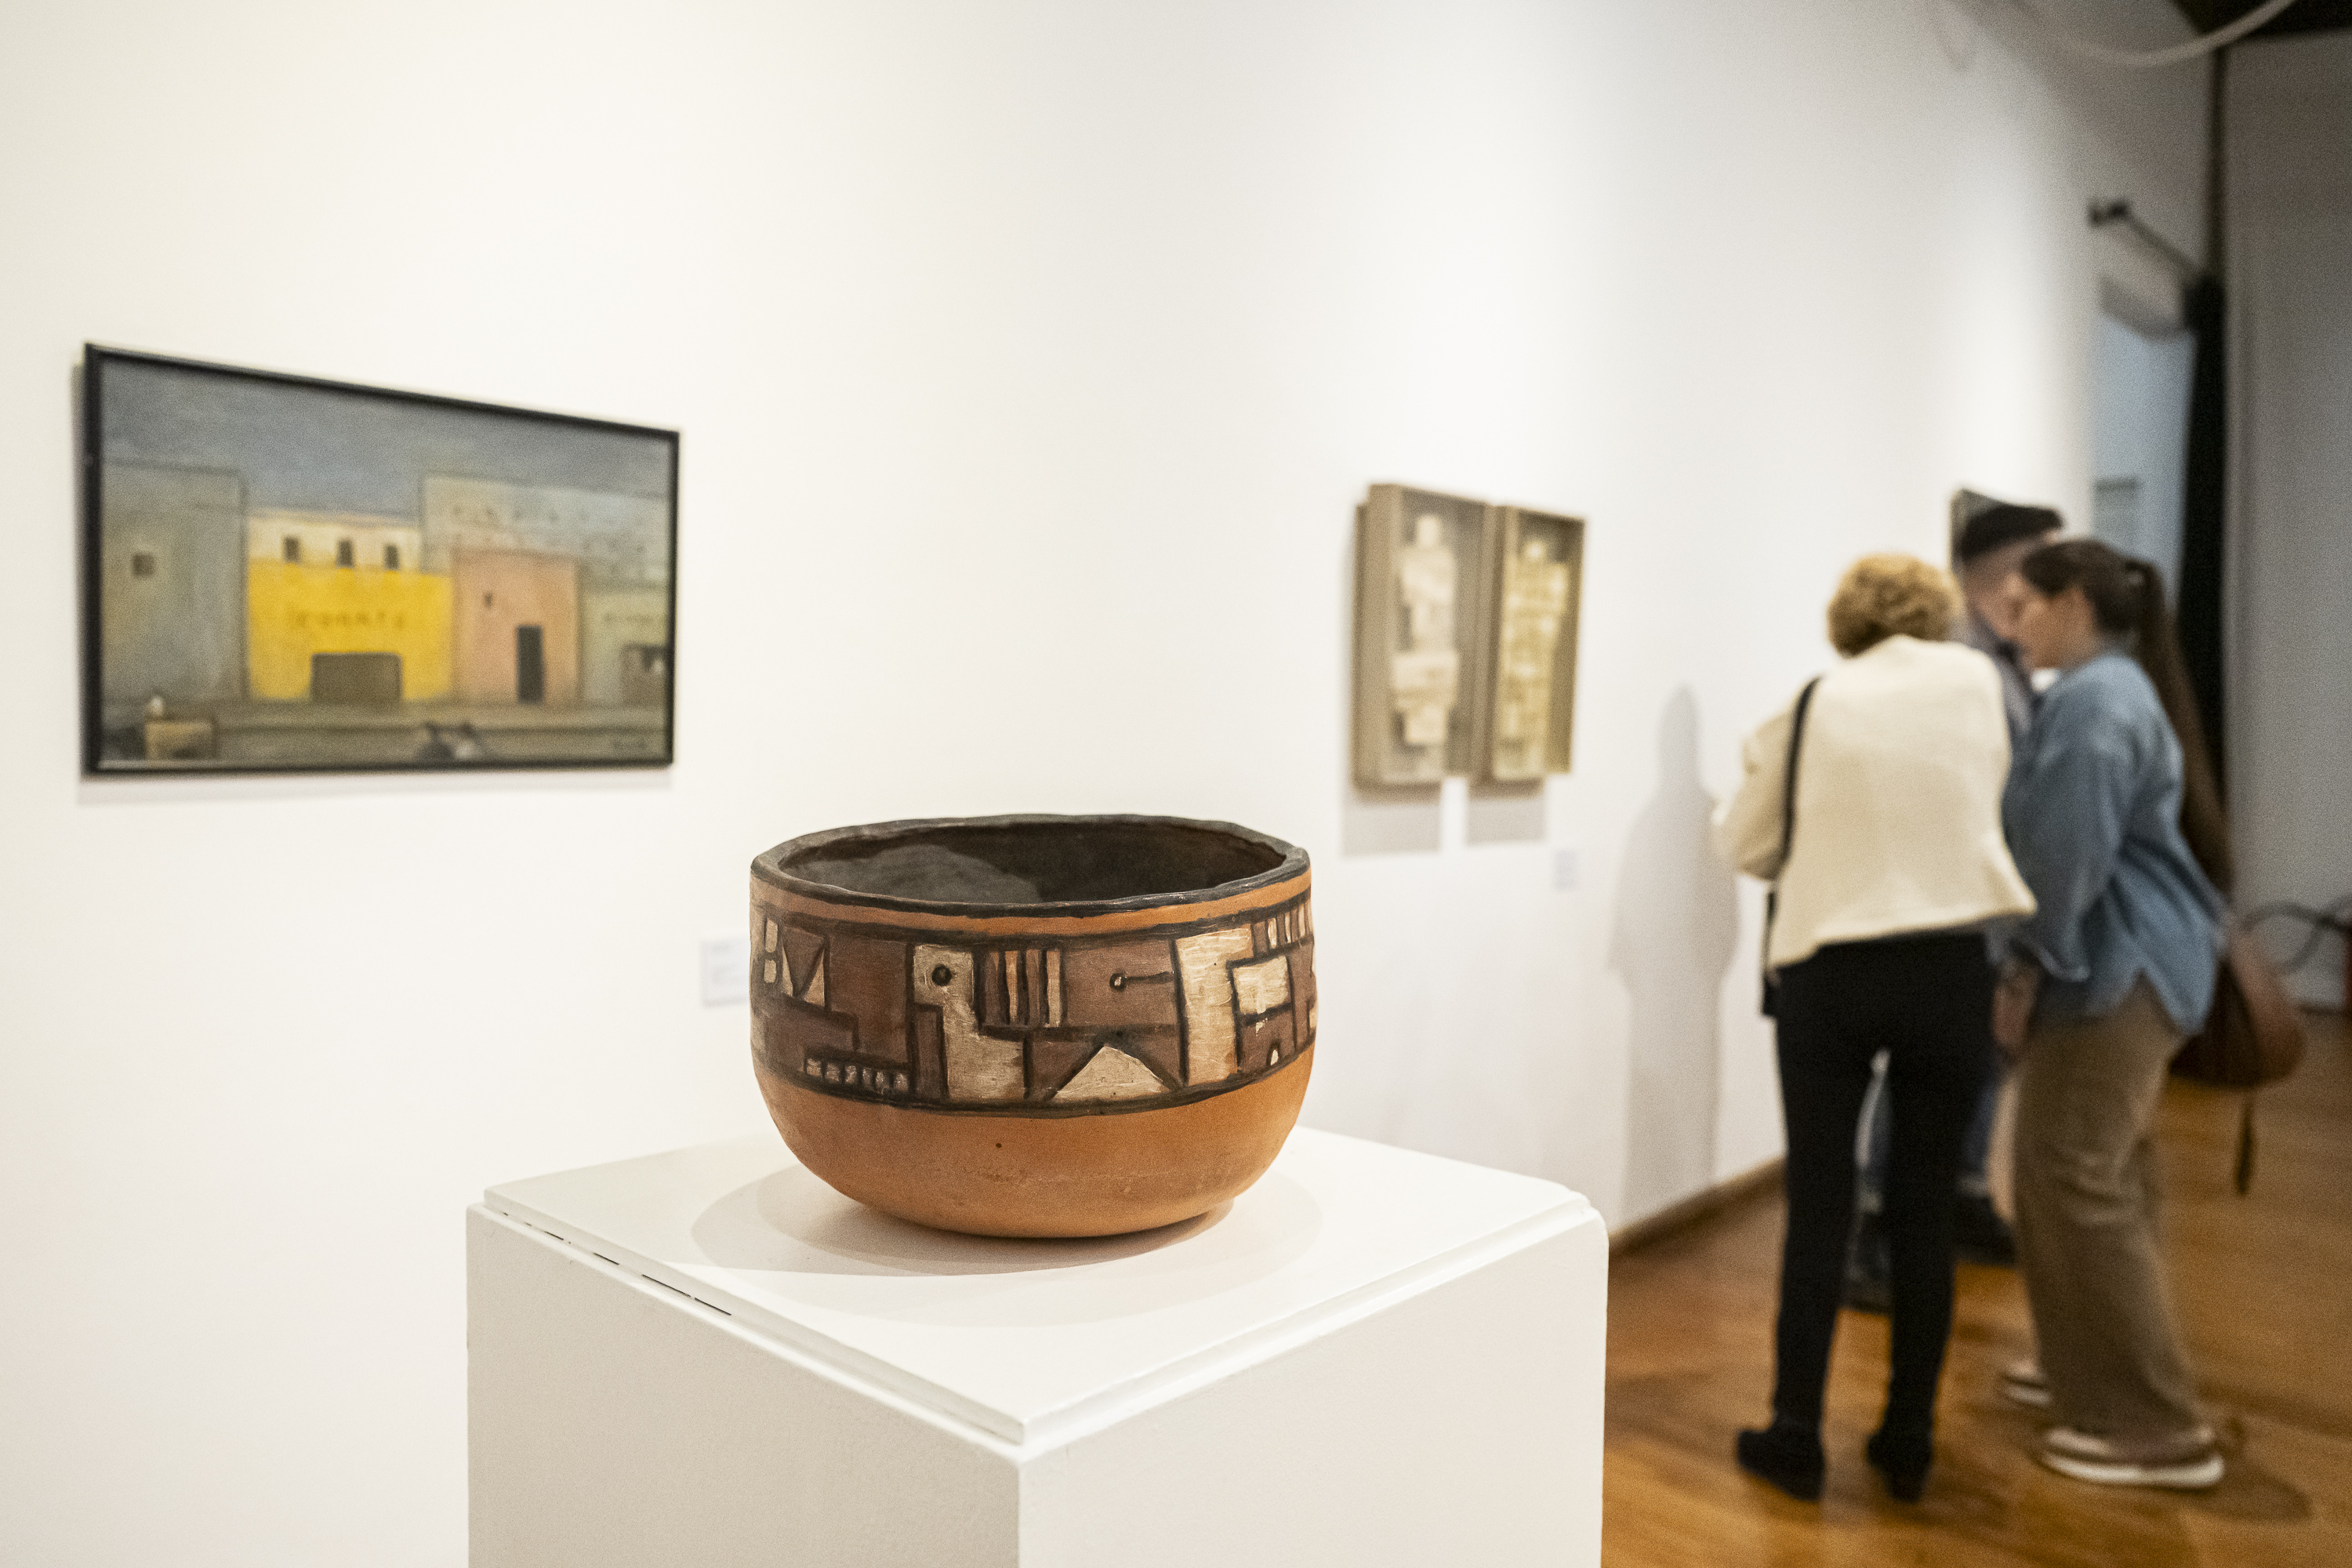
{"x":2265,"y":1290}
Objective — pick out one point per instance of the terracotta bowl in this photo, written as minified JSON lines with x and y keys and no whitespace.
{"x":1035,"y":1025}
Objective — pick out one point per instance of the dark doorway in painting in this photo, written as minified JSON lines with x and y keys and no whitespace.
{"x":530,"y":665}
{"x":354,"y":678}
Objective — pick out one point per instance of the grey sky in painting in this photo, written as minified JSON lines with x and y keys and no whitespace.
{"x":304,"y":448}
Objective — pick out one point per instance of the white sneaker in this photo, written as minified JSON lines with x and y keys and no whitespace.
{"x":2022,"y":1383}
{"x":2187,"y":1463}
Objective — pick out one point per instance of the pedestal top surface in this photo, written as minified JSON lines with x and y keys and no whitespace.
{"x":1035,"y":1340}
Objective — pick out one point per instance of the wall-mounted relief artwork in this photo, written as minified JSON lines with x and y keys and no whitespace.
{"x":1465,"y":640}
{"x":1527,"y":716}
{"x":286,"y":574}
{"x":1423,"y":609}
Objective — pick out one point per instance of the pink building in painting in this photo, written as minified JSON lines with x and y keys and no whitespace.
{"x":517,"y":622}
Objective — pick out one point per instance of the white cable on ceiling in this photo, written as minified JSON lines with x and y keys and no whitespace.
{"x":2147,"y":59}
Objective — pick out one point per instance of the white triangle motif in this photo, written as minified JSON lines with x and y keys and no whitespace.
{"x":1112,"y":1074}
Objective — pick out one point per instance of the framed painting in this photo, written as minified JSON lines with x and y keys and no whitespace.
{"x":1527,"y":712}
{"x":287,"y":575}
{"x":1424,"y":564}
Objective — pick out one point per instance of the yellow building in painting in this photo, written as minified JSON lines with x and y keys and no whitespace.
{"x":319,"y":583}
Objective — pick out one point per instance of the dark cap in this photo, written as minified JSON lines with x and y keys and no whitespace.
{"x":2004,"y":524}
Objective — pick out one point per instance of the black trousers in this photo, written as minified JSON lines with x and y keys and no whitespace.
{"x":1927,"y":1002}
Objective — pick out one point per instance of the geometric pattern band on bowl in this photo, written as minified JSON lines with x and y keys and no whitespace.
{"x":1021,"y":1024}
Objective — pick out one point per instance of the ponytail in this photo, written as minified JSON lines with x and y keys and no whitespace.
{"x":2126,"y":596}
{"x":2204,"y":822}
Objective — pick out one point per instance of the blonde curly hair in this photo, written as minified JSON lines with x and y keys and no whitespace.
{"x":1882,"y":597}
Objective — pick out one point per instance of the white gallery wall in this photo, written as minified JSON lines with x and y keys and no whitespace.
{"x":1031,"y":359}
{"x":2289,"y":613}
{"x":2139,"y":440}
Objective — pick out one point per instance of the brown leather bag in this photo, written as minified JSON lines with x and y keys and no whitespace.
{"x":2252,"y":1036}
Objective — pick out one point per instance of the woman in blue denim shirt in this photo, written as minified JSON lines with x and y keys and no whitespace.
{"x":2116,"y":966}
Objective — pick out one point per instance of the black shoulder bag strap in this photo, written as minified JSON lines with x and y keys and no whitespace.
{"x":1772,"y":1005}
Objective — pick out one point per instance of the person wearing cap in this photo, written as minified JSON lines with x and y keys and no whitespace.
{"x":1991,"y":547}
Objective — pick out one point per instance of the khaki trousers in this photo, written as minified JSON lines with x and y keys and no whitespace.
{"x":2086,"y":1192}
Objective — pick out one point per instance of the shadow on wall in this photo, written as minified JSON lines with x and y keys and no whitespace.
{"x":1677,"y":922}
{"x":1388,"y":822}
{"x":1504,"y":814}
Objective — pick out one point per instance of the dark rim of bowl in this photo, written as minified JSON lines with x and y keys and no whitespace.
{"x":769,"y":867}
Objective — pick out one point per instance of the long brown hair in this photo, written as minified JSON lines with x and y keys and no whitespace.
{"x":2126,"y":596}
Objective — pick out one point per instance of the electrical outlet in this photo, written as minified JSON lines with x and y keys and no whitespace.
{"x":1564,"y":869}
{"x":725,"y":971}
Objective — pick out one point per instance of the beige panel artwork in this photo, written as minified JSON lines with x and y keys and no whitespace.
{"x":1424,"y":638}
{"x":978,"y":1067}
{"x":1203,"y":968}
{"x":1426,"y":676}
{"x":1535,"y":601}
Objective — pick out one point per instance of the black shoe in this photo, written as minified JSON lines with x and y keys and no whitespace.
{"x":1901,"y":1460}
{"x":1869,"y":1267}
{"x":1981,"y":1235}
{"x":1789,"y":1457}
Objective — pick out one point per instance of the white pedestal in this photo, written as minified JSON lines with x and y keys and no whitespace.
{"x":1371,"y":1357}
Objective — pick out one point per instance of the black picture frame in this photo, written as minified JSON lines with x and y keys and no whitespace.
{"x":287,"y":574}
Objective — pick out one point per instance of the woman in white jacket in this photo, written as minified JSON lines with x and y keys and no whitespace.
{"x":1894,"y":872}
